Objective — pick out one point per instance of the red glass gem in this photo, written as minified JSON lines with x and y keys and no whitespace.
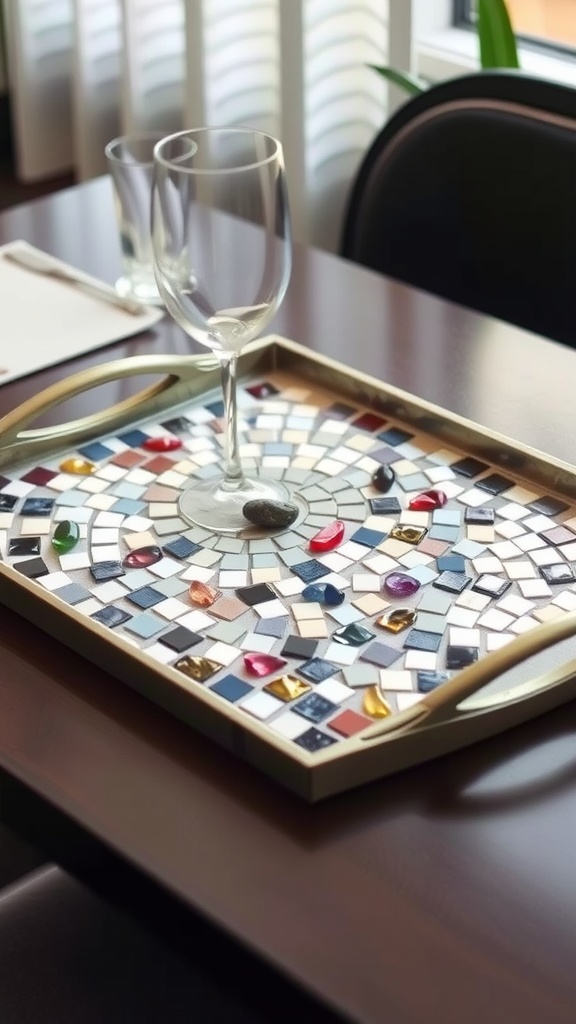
{"x":262,"y":664}
{"x":201,"y":594}
{"x":141,"y":558}
{"x":328,"y":537}
{"x":162,"y":444}
{"x":427,"y":501}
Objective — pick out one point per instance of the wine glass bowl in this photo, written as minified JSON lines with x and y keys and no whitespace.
{"x":222,"y":259}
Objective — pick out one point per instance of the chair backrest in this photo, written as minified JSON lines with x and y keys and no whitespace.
{"x":469,"y":192}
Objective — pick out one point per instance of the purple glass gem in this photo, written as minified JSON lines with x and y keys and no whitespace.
{"x":398,"y":584}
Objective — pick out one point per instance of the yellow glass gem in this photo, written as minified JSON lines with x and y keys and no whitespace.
{"x":397,"y":620}
{"x":287,"y":687}
{"x":409,"y":534}
{"x":78,"y":467}
{"x":374,"y":703}
{"x":197,"y":668}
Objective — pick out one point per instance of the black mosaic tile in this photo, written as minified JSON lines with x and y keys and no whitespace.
{"x":111,"y":616}
{"x":4,"y":481}
{"x":180,"y":547}
{"x":314,"y":707}
{"x":547,"y":506}
{"x":8,"y":502}
{"x":385,"y":506}
{"x":395,"y":436}
{"x":299,"y":647}
{"x":421,"y":640}
{"x":468,"y":466}
{"x":313,"y":740}
{"x":479,"y":516}
{"x":315,"y":670}
{"x":492,"y":585}
{"x":428,"y":681}
{"x":310,"y":570}
{"x":454,"y":582}
{"x":37,"y":507}
{"x":180,"y":639}
{"x":177,"y":425}
{"x":256,"y":594}
{"x":19,"y":546}
{"x":495,"y":483}
{"x":32,"y":568}
{"x":460,"y":657}
{"x":145,"y":597}
{"x":102,"y":571}
{"x":557,"y":574}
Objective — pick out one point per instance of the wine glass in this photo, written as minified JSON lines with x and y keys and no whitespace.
{"x":222,"y":259}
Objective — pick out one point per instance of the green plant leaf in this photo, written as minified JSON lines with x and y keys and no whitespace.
{"x":410,"y":83}
{"x":497,"y":41}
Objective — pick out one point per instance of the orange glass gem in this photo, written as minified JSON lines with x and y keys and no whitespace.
{"x":78,"y":467}
{"x":328,"y":537}
{"x":201,"y":594}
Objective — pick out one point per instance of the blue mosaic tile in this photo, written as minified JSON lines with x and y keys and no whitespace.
{"x":310,"y":570}
{"x":231,"y":688}
{"x":314,"y":707}
{"x":395,"y":436}
{"x":315,"y":670}
{"x":73,"y":593}
{"x":451,"y":563}
{"x":37,"y":507}
{"x":272,"y":627}
{"x":145,"y":625}
{"x":313,"y":740}
{"x":428,"y":681}
{"x":146,"y":597}
{"x":180,"y":547}
{"x":133,"y":438}
{"x":380,"y":654}
{"x":95,"y":451}
{"x":370,"y":538}
{"x":127,"y":507}
{"x":102,"y":571}
{"x":421,"y":640}
{"x":111,"y":616}
{"x":447,"y":533}
{"x":454,"y":582}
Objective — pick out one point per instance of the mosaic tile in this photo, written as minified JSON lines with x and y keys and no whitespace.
{"x":313,"y":740}
{"x":460,"y":657}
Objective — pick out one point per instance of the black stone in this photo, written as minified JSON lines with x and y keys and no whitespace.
{"x":383,"y":478}
{"x":271,"y":515}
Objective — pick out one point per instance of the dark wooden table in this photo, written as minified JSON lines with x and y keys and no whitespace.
{"x":446,"y":893}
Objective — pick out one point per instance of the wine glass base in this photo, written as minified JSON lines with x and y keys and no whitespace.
{"x":208,"y":504}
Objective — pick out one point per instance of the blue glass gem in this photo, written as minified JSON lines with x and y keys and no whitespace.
{"x":323,"y":593}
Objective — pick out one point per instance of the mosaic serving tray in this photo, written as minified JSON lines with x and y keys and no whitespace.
{"x":327,"y":655}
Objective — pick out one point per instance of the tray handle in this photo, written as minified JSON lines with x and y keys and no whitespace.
{"x":180,"y":371}
{"x":442,"y":704}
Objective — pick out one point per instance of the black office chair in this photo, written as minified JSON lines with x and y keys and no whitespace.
{"x":469,"y":192}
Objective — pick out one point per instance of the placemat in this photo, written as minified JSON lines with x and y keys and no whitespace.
{"x":44,"y":321}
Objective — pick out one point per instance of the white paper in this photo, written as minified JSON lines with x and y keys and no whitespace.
{"x":44,"y":321}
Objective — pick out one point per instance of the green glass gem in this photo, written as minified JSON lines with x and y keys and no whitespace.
{"x":352,"y":635}
{"x":65,"y":536}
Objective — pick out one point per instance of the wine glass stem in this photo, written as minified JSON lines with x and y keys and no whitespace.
{"x":233,"y":475}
